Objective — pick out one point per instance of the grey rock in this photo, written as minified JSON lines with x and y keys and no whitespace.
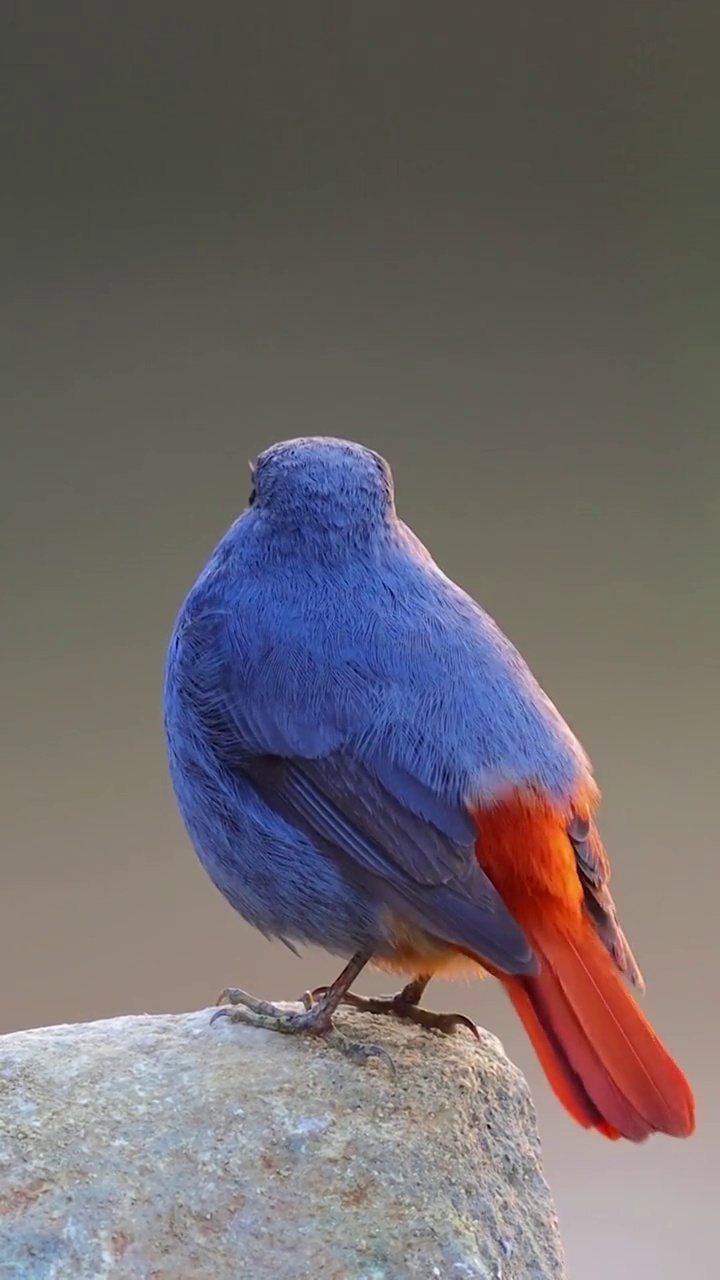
{"x":159,"y":1148}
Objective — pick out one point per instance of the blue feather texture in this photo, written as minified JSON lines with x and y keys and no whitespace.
{"x":335,"y":708}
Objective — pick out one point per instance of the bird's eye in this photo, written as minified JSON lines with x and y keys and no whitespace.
{"x":253,"y":496}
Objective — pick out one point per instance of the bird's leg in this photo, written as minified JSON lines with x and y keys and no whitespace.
{"x":315,"y":1020}
{"x":405,"y":1005}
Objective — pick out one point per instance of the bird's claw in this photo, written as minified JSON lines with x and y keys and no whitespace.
{"x":236,"y":996}
{"x":397,"y":1007}
{"x":239,"y":1006}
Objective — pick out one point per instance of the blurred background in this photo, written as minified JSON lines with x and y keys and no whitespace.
{"x":483,"y":241}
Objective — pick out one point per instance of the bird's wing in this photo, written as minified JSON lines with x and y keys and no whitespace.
{"x":302,"y":747}
{"x":594,"y":871}
{"x":419,"y":871}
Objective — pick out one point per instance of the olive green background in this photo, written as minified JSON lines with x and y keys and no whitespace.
{"x":482,"y":239}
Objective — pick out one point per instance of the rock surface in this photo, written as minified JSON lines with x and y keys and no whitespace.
{"x":159,"y":1148}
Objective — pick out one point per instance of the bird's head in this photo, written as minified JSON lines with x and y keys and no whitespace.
{"x":323,"y":486}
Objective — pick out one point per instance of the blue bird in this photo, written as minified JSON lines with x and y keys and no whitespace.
{"x":365,"y":763}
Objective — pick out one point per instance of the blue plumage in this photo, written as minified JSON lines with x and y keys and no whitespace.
{"x":334,"y":707}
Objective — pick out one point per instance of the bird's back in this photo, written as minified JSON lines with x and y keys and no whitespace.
{"x":378,"y":650}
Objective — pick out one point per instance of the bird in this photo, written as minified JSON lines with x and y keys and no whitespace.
{"x":364,"y":762}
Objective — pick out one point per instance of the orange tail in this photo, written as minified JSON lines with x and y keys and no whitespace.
{"x":600,"y":1054}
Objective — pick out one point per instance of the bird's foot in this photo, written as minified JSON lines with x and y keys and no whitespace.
{"x":404,"y":1007}
{"x":315,"y":1020}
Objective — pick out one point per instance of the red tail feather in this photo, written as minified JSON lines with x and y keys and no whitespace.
{"x":600,"y":1054}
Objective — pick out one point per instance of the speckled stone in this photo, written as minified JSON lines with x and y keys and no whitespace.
{"x":159,"y":1148}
